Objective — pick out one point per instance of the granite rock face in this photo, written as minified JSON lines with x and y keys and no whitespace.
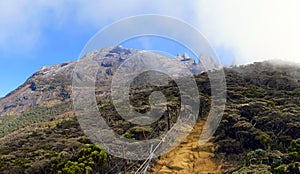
{"x":48,"y":86}
{"x":52,"y":85}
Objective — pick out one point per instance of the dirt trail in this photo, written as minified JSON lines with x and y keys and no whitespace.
{"x":189,"y":157}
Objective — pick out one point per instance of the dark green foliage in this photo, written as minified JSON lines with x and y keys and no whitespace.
{"x":34,"y":115}
{"x":262,"y":114}
{"x":32,"y":151}
{"x":88,"y":159}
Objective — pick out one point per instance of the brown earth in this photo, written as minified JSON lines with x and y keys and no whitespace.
{"x":189,"y":157}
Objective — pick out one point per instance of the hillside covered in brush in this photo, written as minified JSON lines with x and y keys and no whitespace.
{"x":259,"y":132}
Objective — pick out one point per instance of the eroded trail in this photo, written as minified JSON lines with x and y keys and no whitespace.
{"x":189,"y":157}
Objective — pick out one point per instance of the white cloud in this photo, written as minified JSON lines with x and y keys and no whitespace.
{"x":15,"y":22}
{"x":254,"y":29}
{"x":22,"y":22}
{"x":103,"y":12}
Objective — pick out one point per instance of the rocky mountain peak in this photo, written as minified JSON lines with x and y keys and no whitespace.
{"x":52,"y":84}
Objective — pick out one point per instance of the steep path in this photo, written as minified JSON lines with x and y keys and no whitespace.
{"x":189,"y":157}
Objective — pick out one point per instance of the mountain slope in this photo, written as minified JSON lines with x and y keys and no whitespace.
{"x":261,"y":120}
{"x":52,"y":84}
{"x":48,"y":86}
{"x":259,"y":131}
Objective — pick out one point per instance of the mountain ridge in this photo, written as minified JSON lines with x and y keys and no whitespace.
{"x":55,"y":81}
{"x":259,"y":131}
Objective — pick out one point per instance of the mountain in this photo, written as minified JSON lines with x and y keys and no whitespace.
{"x":48,"y":86}
{"x":259,"y":132}
{"x":52,"y":84}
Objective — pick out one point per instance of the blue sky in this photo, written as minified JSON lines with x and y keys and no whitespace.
{"x":38,"y":33}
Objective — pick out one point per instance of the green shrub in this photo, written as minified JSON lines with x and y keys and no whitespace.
{"x":280,"y":169}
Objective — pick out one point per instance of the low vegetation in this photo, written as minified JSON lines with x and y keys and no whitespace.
{"x":259,"y":132}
